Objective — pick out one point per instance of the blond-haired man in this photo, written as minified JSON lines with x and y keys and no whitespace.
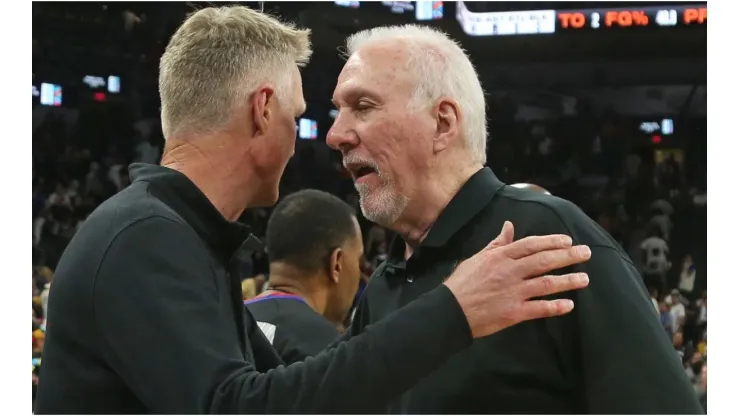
{"x":148,"y":316}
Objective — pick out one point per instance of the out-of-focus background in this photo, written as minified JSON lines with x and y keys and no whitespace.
{"x":601,"y":103}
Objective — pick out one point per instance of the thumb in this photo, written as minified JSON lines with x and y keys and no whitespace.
{"x":505,"y":237}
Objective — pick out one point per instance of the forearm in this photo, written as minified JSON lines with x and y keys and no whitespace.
{"x":362,"y":374}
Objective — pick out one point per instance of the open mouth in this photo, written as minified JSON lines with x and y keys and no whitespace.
{"x":364,"y":171}
{"x":360,"y":171}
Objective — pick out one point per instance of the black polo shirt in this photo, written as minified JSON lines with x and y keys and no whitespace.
{"x":294,"y":329}
{"x":609,"y":355}
{"x":146,"y":316}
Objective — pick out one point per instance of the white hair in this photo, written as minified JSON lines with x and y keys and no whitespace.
{"x":442,"y":68}
{"x":216,"y":59}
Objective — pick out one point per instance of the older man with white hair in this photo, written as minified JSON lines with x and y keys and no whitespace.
{"x":146,"y":302}
{"x":411,"y":126}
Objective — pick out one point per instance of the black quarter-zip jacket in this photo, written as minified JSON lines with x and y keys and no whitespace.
{"x":609,"y":355}
{"x":146,"y":316}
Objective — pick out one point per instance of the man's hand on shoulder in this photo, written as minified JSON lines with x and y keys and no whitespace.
{"x":494,"y":286}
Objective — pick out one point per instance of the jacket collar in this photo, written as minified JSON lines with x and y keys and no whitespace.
{"x":179,"y":193}
{"x":474,"y":195}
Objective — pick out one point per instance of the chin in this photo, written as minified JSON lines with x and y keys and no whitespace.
{"x":382,"y":206}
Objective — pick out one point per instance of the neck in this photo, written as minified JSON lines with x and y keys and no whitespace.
{"x":288,"y":279}
{"x":210,"y":163}
{"x":421,"y":213}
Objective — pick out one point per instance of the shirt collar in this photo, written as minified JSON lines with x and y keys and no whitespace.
{"x":474,"y":195}
{"x":179,"y":193}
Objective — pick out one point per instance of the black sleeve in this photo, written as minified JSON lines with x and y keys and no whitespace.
{"x":625,"y":362}
{"x":156,"y":307}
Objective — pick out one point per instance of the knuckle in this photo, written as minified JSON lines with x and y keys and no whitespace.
{"x":534,"y":244}
{"x":573,"y":253}
{"x":546,"y":259}
{"x":565,"y":241}
{"x":553,"y":241}
{"x":503,"y":271}
{"x":550,"y":309}
{"x":547,"y":284}
{"x":574,"y":280}
{"x":511,"y":314}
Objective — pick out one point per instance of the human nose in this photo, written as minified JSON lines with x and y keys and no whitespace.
{"x":340,"y":134}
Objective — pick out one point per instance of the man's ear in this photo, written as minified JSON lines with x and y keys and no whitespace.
{"x":335,"y":265}
{"x":449,"y":117}
{"x":261,"y":113}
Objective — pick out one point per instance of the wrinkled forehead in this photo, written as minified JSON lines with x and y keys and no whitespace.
{"x":379,"y":69}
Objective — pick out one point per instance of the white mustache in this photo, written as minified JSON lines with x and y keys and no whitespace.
{"x":358,"y":160}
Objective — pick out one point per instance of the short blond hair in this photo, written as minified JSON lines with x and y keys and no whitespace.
{"x":216,"y":59}
{"x":441,"y":68}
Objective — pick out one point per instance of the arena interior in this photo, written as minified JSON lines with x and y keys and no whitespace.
{"x":603,"y":104}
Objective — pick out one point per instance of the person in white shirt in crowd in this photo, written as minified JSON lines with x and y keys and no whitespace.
{"x":655,"y":259}
{"x":676,"y":308}
{"x":701,"y":319}
{"x":45,"y":299}
{"x":687,"y":279}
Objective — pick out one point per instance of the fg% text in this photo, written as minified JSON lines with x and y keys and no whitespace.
{"x":626,"y":18}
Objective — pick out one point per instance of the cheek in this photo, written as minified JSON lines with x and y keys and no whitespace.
{"x":351,"y":277}
{"x":284,"y":146}
{"x":384,"y":140}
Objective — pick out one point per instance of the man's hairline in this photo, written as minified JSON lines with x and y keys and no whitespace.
{"x":285,"y":94}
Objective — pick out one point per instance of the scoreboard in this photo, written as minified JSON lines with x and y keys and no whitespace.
{"x":533,"y":22}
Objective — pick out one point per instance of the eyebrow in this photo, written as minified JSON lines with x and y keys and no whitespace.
{"x":355,"y":93}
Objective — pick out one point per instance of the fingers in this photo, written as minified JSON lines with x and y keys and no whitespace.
{"x":535,"y":244}
{"x":505,"y":237}
{"x":546,"y":261}
{"x":538,"y":309}
{"x":550,"y":285}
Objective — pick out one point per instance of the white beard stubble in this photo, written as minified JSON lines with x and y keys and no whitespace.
{"x":383,"y":205}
